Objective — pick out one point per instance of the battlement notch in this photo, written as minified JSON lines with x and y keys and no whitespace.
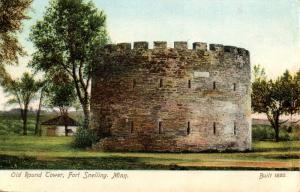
{"x":180,"y":45}
{"x":141,"y":45}
{"x":216,"y":47}
{"x":124,"y":46}
{"x":199,"y":46}
{"x":159,"y":45}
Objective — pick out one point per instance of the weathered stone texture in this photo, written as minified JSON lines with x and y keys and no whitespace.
{"x":172,"y":99}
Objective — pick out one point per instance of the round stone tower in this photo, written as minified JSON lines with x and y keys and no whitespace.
{"x":172,"y":99}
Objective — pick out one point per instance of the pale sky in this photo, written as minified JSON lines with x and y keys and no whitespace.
{"x":268,"y":29}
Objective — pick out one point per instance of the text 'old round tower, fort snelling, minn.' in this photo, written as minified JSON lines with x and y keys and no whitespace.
{"x":172,"y":99}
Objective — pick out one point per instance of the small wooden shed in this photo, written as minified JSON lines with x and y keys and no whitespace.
{"x":56,"y":126}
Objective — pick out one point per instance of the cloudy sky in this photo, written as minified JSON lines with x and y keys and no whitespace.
{"x":268,"y":29}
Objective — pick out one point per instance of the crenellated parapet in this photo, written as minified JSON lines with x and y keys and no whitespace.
{"x":178,"y":45}
{"x":201,"y":54}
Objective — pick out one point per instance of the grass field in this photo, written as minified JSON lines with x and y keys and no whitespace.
{"x":30,"y":152}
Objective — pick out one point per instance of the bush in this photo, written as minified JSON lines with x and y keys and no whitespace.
{"x":294,"y":131}
{"x":84,"y":138}
{"x":266,"y":132}
{"x":290,"y":129}
{"x":262,"y":132}
{"x":284,"y":135}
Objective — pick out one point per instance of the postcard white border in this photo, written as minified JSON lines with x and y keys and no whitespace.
{"x":233,"y":181}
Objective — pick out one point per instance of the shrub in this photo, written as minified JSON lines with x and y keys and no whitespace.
{"x":266,"y":132}
{"x":84,"y":138}
{"x":262,"y":132}
{"x":294,"y":131}
{"x":290,"y":129}
{"x":284,"y":135}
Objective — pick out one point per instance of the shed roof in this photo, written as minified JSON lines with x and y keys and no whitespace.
{"x":60,"y":121}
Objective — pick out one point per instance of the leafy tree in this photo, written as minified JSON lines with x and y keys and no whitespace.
{"x":38,"y":130}
{"x":22,"y":92}
{"x":12,"y":12}
{"x":258,"y":73}
{"x":69,"y":37}
{"x":294,"y":104}
{"x":273,"y":98}
{"x":291,"y":89}
{"x":60,"y":93}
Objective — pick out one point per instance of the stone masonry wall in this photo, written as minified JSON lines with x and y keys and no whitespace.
{"x":172,"y":99}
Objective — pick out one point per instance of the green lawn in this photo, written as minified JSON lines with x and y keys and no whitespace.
{"x":30,"y":152}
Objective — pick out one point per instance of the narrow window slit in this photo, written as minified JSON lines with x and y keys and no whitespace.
{"x":234,"y":87}
{"x":188,"y":128}
{"x":214,"y":85}
{"x":131,"y":127}
{"x":160,"y":82}
{"x":214,"y":128}
{"x":159,"y":127}
{"x":189,"y":84}
{"x":133,"y":83}
{"x":234,"y":128}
